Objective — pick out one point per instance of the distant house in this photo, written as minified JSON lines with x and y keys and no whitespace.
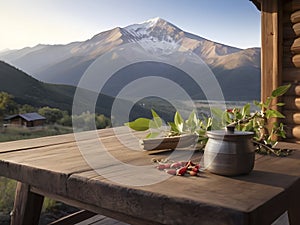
{"x":26,"y":120}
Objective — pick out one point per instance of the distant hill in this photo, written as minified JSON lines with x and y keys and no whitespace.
{"x":237,"y":70}
{"x":28,"y":90}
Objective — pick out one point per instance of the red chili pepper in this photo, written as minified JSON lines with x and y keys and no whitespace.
{"x":171,"y":171}
{"x":181,"y":171}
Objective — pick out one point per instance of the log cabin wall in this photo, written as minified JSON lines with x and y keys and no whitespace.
{"x":291,"y":67}
{"x":280,"y":55}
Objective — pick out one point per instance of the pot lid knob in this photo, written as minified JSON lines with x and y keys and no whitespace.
{"x":230,"y":128}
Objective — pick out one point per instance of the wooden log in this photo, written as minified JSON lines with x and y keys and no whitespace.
{"x":291,"y":117}
{"x":291,"y":103}
{"x":295,"y":17}
{"x":27,"y":206}
{"x":291,"y":6}
{"x":291,"y":74}
{"x":296,"y":29}
{"x":293,"y":131}
{"x":295,"y":48}
{"x":296,"y":60}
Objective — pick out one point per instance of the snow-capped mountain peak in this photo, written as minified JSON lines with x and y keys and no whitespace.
{"x":155,"y":34}
{"x":145,"y":24}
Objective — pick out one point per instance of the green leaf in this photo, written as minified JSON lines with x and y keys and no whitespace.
{"x":192,"y":121}
{"x":246,"y":110}
{"x":267,"y":103}
{"x":270,"y":113}
{"x":154,"y":114}
{"x":258,"y":104}
{"x":153,"y":124}
{"x":173,"y":127}
{"x":217,"y":113}
{"x":178,"y":121}
{"x":280,"y":90}
{"x":140,"y":124}
{"x":152,"y":135}
{"x":280,"y":104}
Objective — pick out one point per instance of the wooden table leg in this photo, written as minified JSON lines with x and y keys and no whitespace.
{"x":27,"y":206}
{"x":294,"y":203}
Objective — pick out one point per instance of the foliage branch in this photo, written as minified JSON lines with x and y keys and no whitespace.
{"x":265,"y":138}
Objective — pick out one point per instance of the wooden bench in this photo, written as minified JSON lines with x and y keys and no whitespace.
{"x":56,"y":167}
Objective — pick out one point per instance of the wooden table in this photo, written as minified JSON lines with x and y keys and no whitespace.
{"x":54,"y":167}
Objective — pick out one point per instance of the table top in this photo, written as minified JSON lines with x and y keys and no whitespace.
{"x":107,"y":172}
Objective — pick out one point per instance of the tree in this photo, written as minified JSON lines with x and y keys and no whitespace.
{"x":27,"y":109}
{"x":102,"y":121}
{"x":52,"y":115}
{"x":7,"y":104}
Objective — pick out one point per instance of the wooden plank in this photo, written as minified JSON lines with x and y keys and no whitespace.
{"x":74,"y":218}
{"x":222,"y":192}
{"x":60,"y":172}
{"x":101,"y":220}
{"x":27,"y":206}
{"x":94,"y":220}
{"x":93,"y":208}
{"x":57,"y":140}
{"x":49,"y":167}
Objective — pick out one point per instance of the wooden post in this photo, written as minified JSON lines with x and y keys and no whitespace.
{"x":272,"y":50}
{"x":27,"y":206}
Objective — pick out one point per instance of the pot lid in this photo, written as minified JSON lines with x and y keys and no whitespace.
{"x":229,"y":132}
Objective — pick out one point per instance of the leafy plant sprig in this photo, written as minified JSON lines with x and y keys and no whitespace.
{"x":179,"y":126}
{"x":242,"y":118}
{"x":265,"y":138}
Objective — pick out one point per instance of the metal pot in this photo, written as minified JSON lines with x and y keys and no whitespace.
{"x":229,"y":152}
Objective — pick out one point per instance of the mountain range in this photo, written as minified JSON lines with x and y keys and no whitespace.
{"x":237,"y":70}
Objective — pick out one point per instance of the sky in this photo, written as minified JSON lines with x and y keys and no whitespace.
{"x":26,"y":23}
